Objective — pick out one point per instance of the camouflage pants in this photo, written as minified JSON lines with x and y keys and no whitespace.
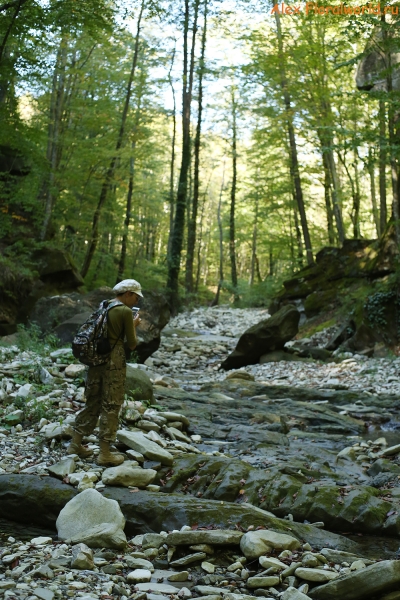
{"x":104,"y":391}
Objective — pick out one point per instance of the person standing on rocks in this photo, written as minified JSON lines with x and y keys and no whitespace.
{"x":105,"y":384}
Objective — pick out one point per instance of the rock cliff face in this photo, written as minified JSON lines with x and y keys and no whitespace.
{"x":355,"y":285}
{"x":53,"y":272}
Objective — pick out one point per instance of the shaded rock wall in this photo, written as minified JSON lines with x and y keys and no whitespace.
{"x":52,"y":272}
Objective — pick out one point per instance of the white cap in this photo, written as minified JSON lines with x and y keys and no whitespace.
{"x":128,"y":285}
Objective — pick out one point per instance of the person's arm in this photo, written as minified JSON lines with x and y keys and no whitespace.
{"x":130,"y":328}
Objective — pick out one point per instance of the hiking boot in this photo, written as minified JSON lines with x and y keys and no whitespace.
{"x":106,"y":458}
{"x":76,"y":447}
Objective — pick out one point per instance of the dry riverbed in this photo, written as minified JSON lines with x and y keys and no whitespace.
{"x":289,"y":454}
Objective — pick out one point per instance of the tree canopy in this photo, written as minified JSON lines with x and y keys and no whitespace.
{"x":201,"y":146}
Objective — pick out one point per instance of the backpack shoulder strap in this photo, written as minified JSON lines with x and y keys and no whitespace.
{"x":112,"y":304}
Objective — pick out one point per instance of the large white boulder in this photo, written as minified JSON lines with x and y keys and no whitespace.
{"x":93,"y":520}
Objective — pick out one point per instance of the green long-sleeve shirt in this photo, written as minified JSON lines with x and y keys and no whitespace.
{"x":120,"y":326}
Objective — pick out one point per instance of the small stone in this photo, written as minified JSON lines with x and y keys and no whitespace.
{"x":126,"y":475}
{"x":207,"y":590}
{"x":7,"y":584}
{"x":135,"y":455}
{"x":43,"y":571}
{"x":357,"y":564}
{"x":256,"y":543}
{"x":138,"y":563}
{"x":268,"y":561}
{"x":65,"y":467}
{"x":161,"y":588}
{"x":152,"y":540}
{"x":181,"y":576}
{"x":208,"y":567}
{"x":139,"y":576}
{"x":309,"y":560}
{"x":82,"y":557}
{"x":24,"y":390}
{"x":187,"y":560}
{"x":391,"y":451}
{"x":41,"y":541}
{"x":292,"y":594}
{"x":43,"y":593}
{"x":262,"y":582}
{"x":317,"y":575}
{"x":217,"y":537}
{"x":74,"y":371}
{"x":202,"y":548}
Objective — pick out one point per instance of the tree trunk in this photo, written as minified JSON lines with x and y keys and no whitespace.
{"x":271,"y":272}
{"x":355,"y":197}
{"x":393,"y":141}
{"x":174,"y":257}
{"x":215,"y":302}
{"x":172,"y":163}
{"x":111,"y":169}
{"x":294,"y":165}
{"x":254,"y":242}
{"x":328,"y":205}
{"x":336,"y":195}
{"x":121,"y":264}
{"x":18,"y":6}
{"x":298,"y":237}
{"x":192,"y":221}
{"x":53,"y":142}
{"x":382,"y":166}
{"x":122,"y":260}
{"x":232,"y":234}
{"x":375,"y":211}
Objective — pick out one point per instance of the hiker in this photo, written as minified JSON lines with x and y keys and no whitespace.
{"x":105,"y":384}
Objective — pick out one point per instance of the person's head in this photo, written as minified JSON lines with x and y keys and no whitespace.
{"x":128,"y":291}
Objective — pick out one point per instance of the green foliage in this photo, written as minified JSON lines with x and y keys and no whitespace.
{"x":30,"y":337}
{"x":383,"y":311}
{"x":80,"y":53}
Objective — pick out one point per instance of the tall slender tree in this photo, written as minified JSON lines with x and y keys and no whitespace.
{"x":94,"y":237}
{"x":294,"y":163}
{"x":174,"y":257}
{"x":192,"y":221}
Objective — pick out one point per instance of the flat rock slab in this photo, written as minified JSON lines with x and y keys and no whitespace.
{"x":137,"y":441}
{"x":209,"y":590}
{"x":29,"y":499}
{"x":373,"y":580}
{"x":65,"y":467}
{"x":43,"y":593}
{"x":188,"y":560}
{"x":317,"y":575}
{"x":160,"y":588}
{"x":262,"y":582}
{"x":218,"y":537}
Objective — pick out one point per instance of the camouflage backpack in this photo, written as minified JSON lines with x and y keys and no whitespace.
{"x":91,"y":345}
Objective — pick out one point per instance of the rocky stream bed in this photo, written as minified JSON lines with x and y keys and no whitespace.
{"x":279,"y":480}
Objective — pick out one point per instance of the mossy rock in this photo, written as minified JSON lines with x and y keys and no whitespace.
{"x":355,"y":509}
{"x":319,"y":301}
{"x":138,"y":384}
